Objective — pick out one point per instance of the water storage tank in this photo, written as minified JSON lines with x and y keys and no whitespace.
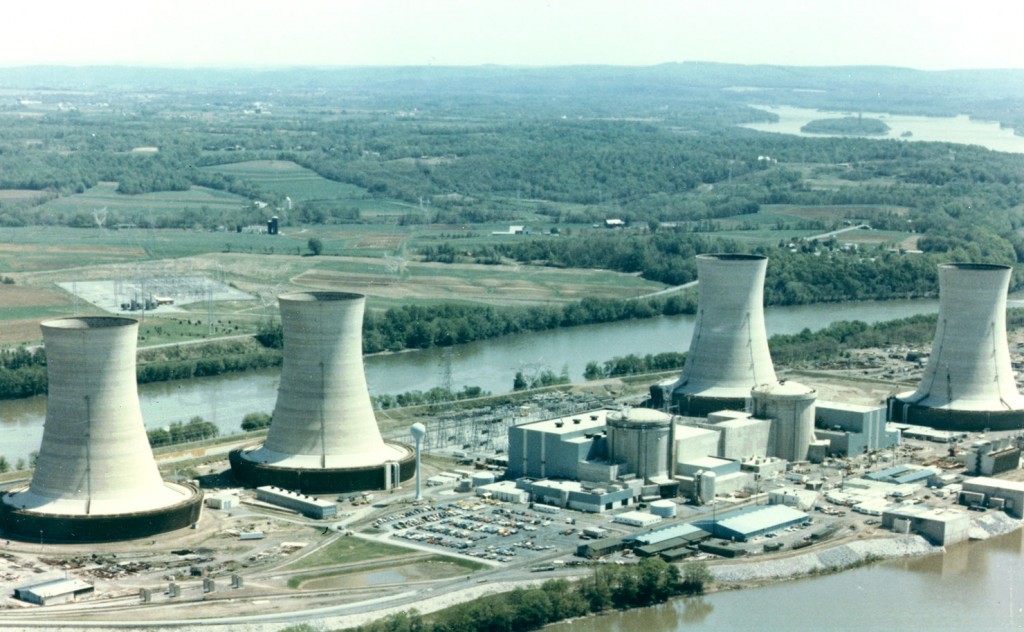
{"x":482,"y":478}
{"x":729,"y":350}
{"x":95,"y":477}
{"x":790,"y":406}
{"x":664,"y":508}
{"x":640,"y":438}
{"x":968,"y":383}
{"x":324,"y":435}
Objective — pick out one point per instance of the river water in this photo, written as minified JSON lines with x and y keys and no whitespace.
{"x":973,"y":586}
{"x":953,"y":129}
{"x":490,"y":364}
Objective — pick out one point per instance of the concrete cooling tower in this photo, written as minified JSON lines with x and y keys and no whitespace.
{"x":95,"y":478}
{"x":324,"y":436}
{"x":729,"y":349}
{"x":968,"y":383}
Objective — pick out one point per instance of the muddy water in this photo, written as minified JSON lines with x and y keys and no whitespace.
{"x":974,"y":586}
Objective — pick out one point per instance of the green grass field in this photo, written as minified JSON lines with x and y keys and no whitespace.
{"x":346,"y":550}
{"x":288,"y":178}
{"x":121,"y":208}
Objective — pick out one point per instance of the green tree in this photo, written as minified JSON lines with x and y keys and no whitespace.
{"x":255,"y":421}
{"x":315,"y":246}
{"x":696,"y":578}
{"x":519,"y":382}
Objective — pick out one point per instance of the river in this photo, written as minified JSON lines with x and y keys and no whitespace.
{"x":952,"y":129}
{"x":490,"y":364}
{"x":973,"y":586}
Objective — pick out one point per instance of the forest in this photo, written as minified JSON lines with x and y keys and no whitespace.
{"x":659,"y":149}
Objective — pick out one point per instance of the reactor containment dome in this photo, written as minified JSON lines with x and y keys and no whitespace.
{"x":95,"y":478}
{"x":729,"y":350}
{"x":323,"y":437}
{"x":968,"y":383}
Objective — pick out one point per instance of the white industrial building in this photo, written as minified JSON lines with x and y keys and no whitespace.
{"x":941,"y":527}
{"x":54,"y":592}
{"x":994,"y":492}
{"x":324,"y":435}
{"x":853,"y":429}
{"x":306,"y":505}
{"x":968,"y":383}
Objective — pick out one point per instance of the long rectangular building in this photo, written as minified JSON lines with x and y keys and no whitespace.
{"x":306,"y":505}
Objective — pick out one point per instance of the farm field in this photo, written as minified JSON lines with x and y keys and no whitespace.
{"x":287,"y":178}
{"x":265,"y":272}
{"x":127,"y":208}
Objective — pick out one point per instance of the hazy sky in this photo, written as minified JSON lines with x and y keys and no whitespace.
{"x":928,"y":34}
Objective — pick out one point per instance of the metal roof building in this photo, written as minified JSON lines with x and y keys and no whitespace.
{"x":751,"y":522}
{"x":54,"y":591}
{"x":661,"y":534}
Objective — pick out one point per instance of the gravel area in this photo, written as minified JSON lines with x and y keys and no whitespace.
{"x":992,"y":524}
{"x":836,"y":557}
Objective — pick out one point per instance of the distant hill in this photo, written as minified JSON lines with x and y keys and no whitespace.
{"x":987,"y":94}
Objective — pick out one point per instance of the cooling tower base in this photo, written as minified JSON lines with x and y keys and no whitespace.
{"x":697,"y":406}
{"x":24,"y":524}
{"x":323,"y":481}
{"x":945,"y":419}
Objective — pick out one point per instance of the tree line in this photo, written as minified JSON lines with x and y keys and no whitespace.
{"x":649,"y":582}
{"x":23,"y":372}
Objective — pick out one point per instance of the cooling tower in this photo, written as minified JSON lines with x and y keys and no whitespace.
{"x":95,"y":478}
{"x":324,"y":436}
{"x":968,"y":383}
{"x":729,"y":349}
{"x":790,"y":407}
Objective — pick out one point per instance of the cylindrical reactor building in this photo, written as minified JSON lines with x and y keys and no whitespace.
{"x":729,"y":350}
{"x":641,"y":438}
{"x":95,"y":477}
{"x":324,"y":436}
{"x":790,"y":406}
{"x":968,"y":383}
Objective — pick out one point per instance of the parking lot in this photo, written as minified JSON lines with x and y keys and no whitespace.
{"x":486,"y":529}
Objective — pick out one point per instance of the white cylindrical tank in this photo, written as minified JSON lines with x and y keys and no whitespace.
{"x":664,"y":508}
{"x":94,"y":459}
{"x":969,"y":370}
{"x":323,"y":418}
{"x":482,"y":478}
{"x":790,"y":406}
{"x":729,"y":350}
{"x":641,"y":439}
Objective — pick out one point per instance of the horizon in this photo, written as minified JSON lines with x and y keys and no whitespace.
{"x":912,"y":34}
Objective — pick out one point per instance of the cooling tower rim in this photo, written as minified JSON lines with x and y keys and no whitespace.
{"x":320,"y":297}
{"x":396,"y":452}
{"x":974,"y":266}
{"x":87,"y":322}
{"x":728,"y":256}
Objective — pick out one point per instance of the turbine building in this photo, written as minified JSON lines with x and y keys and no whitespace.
{"x":324,"y":435}
{"x":729,"y":349}
{"x":968,"y":383}
{"x":95,"y":478}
